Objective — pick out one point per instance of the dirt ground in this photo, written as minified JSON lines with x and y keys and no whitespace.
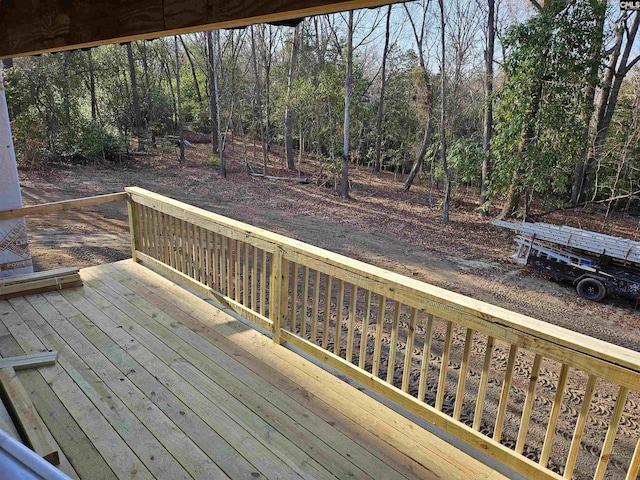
{"x":381,"y":224}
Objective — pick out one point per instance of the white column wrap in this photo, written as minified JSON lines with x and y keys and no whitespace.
{"x":15,"y":258}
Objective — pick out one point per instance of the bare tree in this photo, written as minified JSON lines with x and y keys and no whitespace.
{"x":258,"y":97}
{"x":443,"y":119}
{"x":179,"y":101}
{"x":213,"y":104}
{"x":488,"y":107}
{"x":619,"y":66}
{"x":137,"y":116}
{"x":383,"y":82}
{"x":288,"y":113}
{"x":419,"y":33}
{"x":344,"y":191}
{"x":214,"y":97}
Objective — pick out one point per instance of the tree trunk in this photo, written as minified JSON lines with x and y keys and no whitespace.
{"x":193,"y":72}
{"x":617,"y":70}
{"x":443,"y":119}
{"x":344,"y":190}
{"x":488,"y":109}
{"x":149,"y":119}
{"x":213,"y":105}
{"x":383,"y":83}
{"x":288,"y":113}
{"x":426,"y":139}
{"x":179,"y":100}
{"x":215,"y":56}
{"x":258,"y":90}
{"x":92,"y":87}
{"x":137,"y":123}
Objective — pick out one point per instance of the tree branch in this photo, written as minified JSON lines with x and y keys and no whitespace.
{"x":536,"y":4}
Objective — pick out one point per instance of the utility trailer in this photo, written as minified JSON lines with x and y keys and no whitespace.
{"x":596,"y":264}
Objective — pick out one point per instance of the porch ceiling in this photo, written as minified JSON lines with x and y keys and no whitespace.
{"x":38,"y":26}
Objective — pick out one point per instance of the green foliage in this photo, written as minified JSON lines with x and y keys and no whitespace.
{"x":543,"y":108}
{"x":465,"y":159}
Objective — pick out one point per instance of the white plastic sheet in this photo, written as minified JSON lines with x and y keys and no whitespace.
{"x":17,"y":462}
{"x":15,"y":258}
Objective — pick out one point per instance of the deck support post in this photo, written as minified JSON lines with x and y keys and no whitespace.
{"x":133,"y":227}
{"x":278,"y":293}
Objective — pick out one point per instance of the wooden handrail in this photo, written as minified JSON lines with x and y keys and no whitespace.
{"x":233,"y":262}
{"x":62,"y":205}
{"x":394,"y":286}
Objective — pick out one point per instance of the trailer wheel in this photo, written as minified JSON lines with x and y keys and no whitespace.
{"x":591,"y":289}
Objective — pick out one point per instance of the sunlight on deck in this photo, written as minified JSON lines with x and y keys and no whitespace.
{"x":184,"y":390}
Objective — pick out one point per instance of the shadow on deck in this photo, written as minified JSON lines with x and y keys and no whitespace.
{"x":154,"y":382}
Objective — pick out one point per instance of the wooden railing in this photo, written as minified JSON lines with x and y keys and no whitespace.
{"x":542,"y":400}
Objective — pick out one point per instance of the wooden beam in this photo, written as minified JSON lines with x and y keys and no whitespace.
{"x":29,"y":361}
{"x":63,"y":205}
{"x":39,"y":285}
{"x":58,"y":272}
{"x":31,"y":427}
{"x":38,"y":26}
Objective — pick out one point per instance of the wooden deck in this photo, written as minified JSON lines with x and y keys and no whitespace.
{"x":153,"y":382}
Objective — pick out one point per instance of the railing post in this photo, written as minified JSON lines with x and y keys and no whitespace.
{"x":133,"y":227}
{"x":278,"y":293}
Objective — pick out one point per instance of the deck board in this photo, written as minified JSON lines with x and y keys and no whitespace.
{"x":161,"y":384}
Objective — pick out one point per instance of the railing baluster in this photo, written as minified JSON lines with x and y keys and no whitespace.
{"x":245,"y":276}
{"x":263,"y":284}
{"x":462,"y":378}
{"x":305,"y":295}
{"x":528,"y":404}
{"x":393,"y":346}
{"x":579,"y":430}
{"x":426,"y":354}
{"x":275,"y":294}
{"x":634,"y":466}
{"x":607,"y":447}
{"x":284,"y":293}
{"x":553,"y":417}
{"x":152,"y":236}
{"x":170,"y":242}
{"x":176,"y":244}
{"x":147,"y":230}
{"x":327,"y":311}
{"x":219,"y":259}
{"x":484,"y":380}
{"x":444,"y":366}
{"x":197,"y":253}
{"x":165,"y":239}
{"x":183,"y":245}
{"x":294,"y":298}
{"x":229,"y":259}
{"x":408,"y":353}
{"x":352,"y":322}
{"x":504,"y":394}
{"x":236,"y":269}
{"x":377,"y":349}
{"x":208,"y":259}
{"x":338,"y":334}
{"x":364,"y":336}
{"x":201,"y":254}
{"x":254,"y":279}
{"x":189,"y":248}
{"x":314,"y":309}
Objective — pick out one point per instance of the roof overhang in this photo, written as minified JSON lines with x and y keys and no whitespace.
{"x":29,"y":27}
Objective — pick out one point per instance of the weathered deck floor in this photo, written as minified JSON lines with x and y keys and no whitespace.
{"x":153,"y":382}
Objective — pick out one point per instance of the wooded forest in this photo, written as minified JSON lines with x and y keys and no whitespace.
{"x":530,"y":103}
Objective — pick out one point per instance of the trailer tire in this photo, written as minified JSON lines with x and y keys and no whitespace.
{"x":591,"y":289}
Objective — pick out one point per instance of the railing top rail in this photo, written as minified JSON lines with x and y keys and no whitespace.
{"x":62,"y":205}
{"x":417,"y":293}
